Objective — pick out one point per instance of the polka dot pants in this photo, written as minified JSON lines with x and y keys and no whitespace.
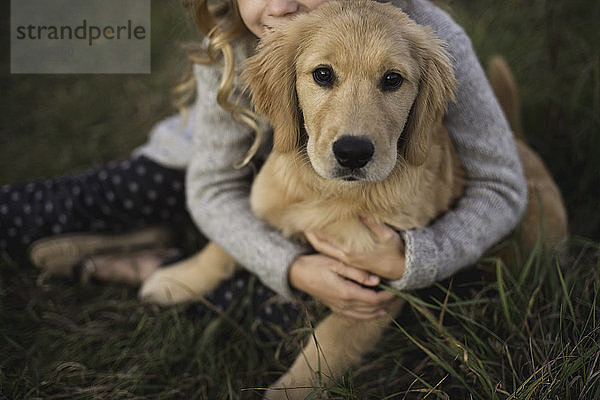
{"x":244,"y":296}
{"x":117,"y":197}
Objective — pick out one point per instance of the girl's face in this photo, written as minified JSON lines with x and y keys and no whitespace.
{"x":262,"y":16}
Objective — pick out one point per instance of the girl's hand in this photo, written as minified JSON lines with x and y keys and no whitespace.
{"x":337,"y":286}
{"x":386,"y":260}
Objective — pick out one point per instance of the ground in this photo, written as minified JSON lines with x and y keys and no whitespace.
{"x":525,"y":330}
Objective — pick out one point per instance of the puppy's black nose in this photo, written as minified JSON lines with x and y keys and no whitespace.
{"x":353,"y":151}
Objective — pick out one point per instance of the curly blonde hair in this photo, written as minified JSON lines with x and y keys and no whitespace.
{"x":220,"y":23}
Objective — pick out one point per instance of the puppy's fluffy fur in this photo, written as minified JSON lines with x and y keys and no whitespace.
{"x":412,"y":174}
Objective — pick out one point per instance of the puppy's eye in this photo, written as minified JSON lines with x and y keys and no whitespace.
{"x":324,"y":76}
{"x":391,"y":81}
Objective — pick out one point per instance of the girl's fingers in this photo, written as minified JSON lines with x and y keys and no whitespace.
{"x":386,"y":259}
{"x":336,"y":285}
{"x":356,"y":275}
{"x":358,"y":296}
{"x":323,"y":246}
{"x":381,"y":230}
{"x":373,"y":305}
{"x":361,"y":314}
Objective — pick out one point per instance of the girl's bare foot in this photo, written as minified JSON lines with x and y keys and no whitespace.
{"x":60,"y":254}
{"x":128,"y":268}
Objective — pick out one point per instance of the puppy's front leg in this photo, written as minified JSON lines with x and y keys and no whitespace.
{"x":338,"y":344}
{"x":189,"y":279}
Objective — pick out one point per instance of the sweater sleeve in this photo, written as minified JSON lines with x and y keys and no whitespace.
{"x":495,"y":194}
{"x":218,"y":193}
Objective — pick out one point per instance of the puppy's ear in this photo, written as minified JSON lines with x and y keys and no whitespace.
{"x":270,"y":75}
{"x":436,"y":89}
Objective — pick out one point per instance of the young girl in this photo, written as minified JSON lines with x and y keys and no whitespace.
{"x":194,"y":160}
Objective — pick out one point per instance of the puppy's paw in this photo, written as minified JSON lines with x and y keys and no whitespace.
{"x":165,"y":288}
{"x":189,"y":279}
{"x":287,"y":387}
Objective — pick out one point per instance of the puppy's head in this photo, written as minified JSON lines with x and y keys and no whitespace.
{"x":365,"y":83}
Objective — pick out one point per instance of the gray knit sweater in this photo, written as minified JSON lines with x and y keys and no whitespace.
{"x":209,"y":143}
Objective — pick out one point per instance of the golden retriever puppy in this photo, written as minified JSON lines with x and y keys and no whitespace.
{"x":372,"y":144}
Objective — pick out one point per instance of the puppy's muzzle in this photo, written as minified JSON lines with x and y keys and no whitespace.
{"x":353,"y":152}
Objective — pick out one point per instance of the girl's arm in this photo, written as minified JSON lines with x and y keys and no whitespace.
{"x":495,"y":194}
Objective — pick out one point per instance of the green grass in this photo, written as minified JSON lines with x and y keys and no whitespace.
{"x":525,"y":330}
